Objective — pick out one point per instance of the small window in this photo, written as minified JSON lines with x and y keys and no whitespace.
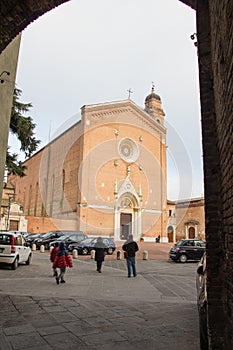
{"x":188,"y":244}
{"x":19,"y":241}
{"x":200,"y":244}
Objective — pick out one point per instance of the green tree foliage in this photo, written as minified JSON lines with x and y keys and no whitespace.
{"x":23,"y":128}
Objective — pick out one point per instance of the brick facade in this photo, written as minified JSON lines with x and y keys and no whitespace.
{"x":82,"y":178}
{"x":186,"y":219}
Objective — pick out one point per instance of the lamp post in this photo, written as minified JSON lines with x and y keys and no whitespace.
{"x":8,"y":213}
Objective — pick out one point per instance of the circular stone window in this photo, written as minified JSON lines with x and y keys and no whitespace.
{"x":128,"y":150}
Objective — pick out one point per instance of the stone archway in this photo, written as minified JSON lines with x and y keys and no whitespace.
{"x":17,"y":15}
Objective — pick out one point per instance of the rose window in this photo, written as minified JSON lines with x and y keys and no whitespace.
{"x":128,"y":150}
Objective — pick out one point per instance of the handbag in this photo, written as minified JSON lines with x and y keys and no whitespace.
{"x":126,"y":255}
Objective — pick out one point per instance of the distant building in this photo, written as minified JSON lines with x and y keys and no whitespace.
{"x":12,"y":216}
{"x":186,"y":219}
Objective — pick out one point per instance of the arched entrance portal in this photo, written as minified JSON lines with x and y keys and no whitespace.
{"x":191,"y":232}
{"x":191,"y":229}
{"x":127,"y":217}
{"x":170,"y":234}
{"x":125,"y":224}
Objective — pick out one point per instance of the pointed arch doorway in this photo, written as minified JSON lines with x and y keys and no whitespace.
{"x":125,"y":225}
{"x":127,"y":217}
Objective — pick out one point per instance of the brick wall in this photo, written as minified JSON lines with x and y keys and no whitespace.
{"x":215,"y":45}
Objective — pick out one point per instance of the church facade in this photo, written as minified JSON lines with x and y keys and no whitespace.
{"x":105,"y":175}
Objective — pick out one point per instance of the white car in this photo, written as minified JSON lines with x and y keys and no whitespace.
{"x":13,"y":249}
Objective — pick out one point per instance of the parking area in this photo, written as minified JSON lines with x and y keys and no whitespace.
{"x":155,"y":310}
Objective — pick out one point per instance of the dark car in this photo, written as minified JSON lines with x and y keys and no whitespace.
{"x":48,"y":237}
{"x":86,"y":246}
{"x":187,"y":249}
{"x":30,"y":239}
{"x":73,"y":238}
{"x":202,"y":302}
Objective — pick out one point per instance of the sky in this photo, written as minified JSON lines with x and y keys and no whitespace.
{"x":88,"y":52}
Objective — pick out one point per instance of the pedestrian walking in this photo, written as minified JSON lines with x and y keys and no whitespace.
{"x":53,"y":256}
{"x":130,"y":247}
{"x":99,"y":253}
{"x":62,"y":261}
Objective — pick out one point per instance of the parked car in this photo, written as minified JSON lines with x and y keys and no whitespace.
{"x":13,"y":249}
{"x":187,"y":249}
{"x":49,"y":237}
{"x":72,"y":238}
{"x":202,"y":302}
{"x":32,"y":237}
{"x":86,"y":246}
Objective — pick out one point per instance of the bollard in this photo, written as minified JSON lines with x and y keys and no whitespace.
{"x":51,"y":248}
{"x":75,"y":254}
{"x":145,"y":255}
{"x":93,"y":254}
{"x":42,"y":248}
{"x":33,"y":247}
{"x":119,"y":255}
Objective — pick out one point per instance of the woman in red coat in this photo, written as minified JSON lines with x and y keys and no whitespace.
{"x":53,"y":256}
{"x":62,"y":261}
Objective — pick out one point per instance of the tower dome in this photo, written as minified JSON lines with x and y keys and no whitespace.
{"x":152,"y":96}
{"x":153,"y":106}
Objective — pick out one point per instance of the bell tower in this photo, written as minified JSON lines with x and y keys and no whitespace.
{"x":153,"y":106}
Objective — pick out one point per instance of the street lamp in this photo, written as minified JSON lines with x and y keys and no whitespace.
{"x":8,"y":213}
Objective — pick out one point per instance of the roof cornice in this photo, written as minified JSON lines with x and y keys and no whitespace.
{"x":101,"y":107}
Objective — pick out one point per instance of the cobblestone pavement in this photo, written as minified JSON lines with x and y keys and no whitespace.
{"x":155,"y":310}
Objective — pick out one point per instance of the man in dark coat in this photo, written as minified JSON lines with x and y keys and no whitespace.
{"x":130,"y":247}
{"x":99,"y":253}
